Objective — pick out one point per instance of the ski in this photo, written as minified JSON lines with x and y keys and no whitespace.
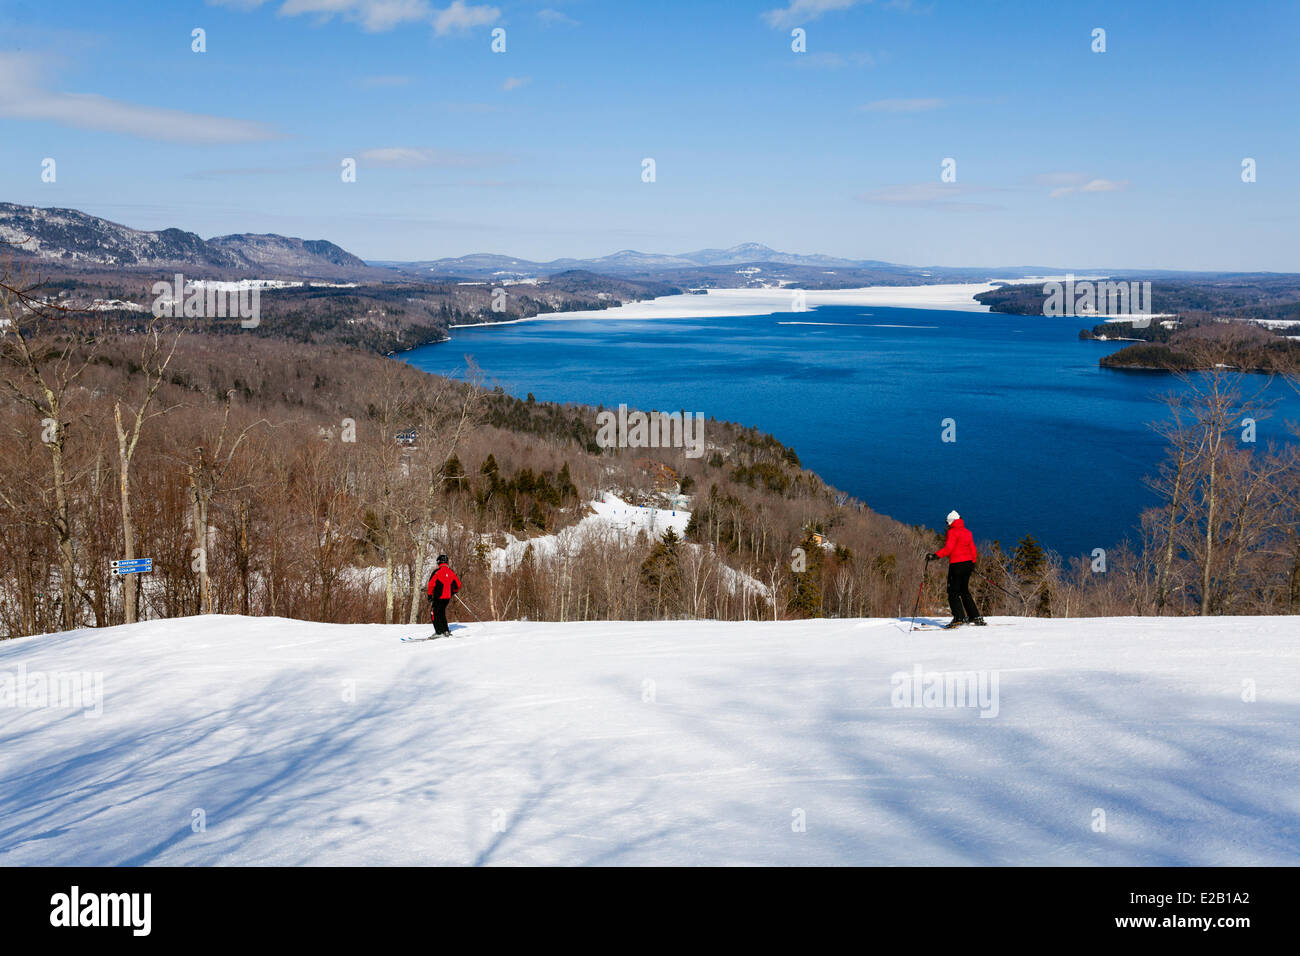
{"x":431,"y":637}
{"x":933,"y":627}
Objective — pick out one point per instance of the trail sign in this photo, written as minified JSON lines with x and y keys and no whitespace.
{"x":134,"y":566}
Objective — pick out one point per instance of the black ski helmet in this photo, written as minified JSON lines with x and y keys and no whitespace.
{"x":442,"y":559}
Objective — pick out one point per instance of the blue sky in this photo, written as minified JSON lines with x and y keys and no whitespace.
{"x":1064,"y":157}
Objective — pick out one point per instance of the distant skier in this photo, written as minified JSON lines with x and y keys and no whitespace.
{"x":959,"y":549}
{"x":443,"y":586}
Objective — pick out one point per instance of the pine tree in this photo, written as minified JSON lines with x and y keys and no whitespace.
{"x":568,"y":490}
{"x":1029,"y":567}
{"x":1028,"y":559}
{"x":661,"y":571}
{"x":453,"y":474}
{"x":806,"y":594}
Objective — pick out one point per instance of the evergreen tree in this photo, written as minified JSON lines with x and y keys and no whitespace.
{"x":453,"y":474}
{"x":806,"y":594}
{"x":568,"y":490}
{"x":661,"y":571}
{"x":482,"y":560}
{"x":1028,"y":560}
{"x":1029,"y":567}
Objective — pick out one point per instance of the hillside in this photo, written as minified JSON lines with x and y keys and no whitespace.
{"x":318,"y":496}
{"x":1202,"y":344}
{"x":311,"y":290}
{"x":69,"y":237}
{"x":240,"y":741}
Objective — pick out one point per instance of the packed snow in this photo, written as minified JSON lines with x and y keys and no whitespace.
{"x":229,"y":740}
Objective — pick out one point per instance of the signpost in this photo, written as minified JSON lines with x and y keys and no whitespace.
{"x":134,"y":566}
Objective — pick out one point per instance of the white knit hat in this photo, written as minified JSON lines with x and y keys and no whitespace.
{"x":952,"y":516}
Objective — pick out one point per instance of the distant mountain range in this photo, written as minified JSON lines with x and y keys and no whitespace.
{"x":72,"y":238}
{"x":69,"y":239}
{"x":629,"y":261}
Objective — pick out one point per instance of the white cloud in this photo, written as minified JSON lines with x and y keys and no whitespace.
{"x":460,"y":16}
{"x":556,"y":17}
{"x":407,"y":157}
{"x":378,"y":16}
{"x":1068,"y":183}
{"x":902,"y":106}
{"x":23,"y":97}
{"x":514,"y":82}
{"x":1104,"y":185}
{"x":804,"y":11}
{"x":375,"y":16}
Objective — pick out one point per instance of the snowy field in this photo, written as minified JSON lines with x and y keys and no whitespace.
{"x":227,"y":740}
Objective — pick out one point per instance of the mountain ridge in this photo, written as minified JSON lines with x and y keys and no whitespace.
{"x":75,"y":238}
{"x":71,"y":238}
{"x":745,"y":253}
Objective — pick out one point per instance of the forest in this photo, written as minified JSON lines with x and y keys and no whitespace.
{"x":318,"y":481}
{"x":1251,"y":296}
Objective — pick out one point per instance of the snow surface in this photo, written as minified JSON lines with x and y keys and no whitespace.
{"x":680,"y":742}
{"x":611,"y":517}
{"x":952,"y":296}
{"x":768,"y":301}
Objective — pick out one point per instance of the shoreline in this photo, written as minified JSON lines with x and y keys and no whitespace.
{"x":721,"y":303}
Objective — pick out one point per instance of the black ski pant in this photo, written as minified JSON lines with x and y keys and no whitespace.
{"x":440,"y":615}
{"x":959,"y":597}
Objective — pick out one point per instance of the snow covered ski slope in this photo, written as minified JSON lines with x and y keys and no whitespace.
{"x":227,"y":740}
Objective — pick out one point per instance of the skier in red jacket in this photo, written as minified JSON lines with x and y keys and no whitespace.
{"x":443,"y":586}
{"x":959,"y":549}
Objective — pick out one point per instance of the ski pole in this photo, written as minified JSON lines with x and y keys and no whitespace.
{"x":919,"y":589}
{"x":998,"y":586}
{"x":468,"y":608}
{"x":1024,"y":602}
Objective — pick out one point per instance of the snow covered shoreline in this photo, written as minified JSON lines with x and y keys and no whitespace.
{"x":229,"y":740}
{"x":959,"y":297}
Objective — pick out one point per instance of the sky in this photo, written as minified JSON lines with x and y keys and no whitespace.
{"x":1063,"y":155}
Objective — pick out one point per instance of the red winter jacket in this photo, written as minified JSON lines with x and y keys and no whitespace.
{"x":960,"y":545}
{"x":444,"y":581}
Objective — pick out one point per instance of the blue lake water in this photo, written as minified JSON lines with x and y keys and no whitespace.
{"x":1047,"y":442}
